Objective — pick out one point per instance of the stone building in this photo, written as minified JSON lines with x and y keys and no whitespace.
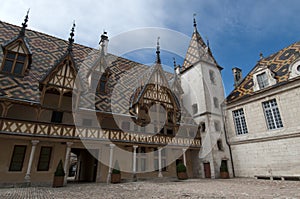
{"x":60,"y":99}
{"x":262,"y":117}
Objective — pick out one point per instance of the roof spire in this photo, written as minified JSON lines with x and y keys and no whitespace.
{"x":24,"y":25}
{"x":71,"y":39}
{"x":261,"y":55}
{"x":195,"y":24}
{"x":174,"y":61}
{"x":158,"y":52}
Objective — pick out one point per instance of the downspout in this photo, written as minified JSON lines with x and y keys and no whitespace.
{"x":226,"y":138}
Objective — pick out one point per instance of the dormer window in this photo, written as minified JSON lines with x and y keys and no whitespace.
{"x":14,"y":63}
{"x":262,"y":80}
{"x":295,"y":69}
{"x":16,"y":58}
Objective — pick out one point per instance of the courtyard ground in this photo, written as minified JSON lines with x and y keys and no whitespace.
{"x":200,"y":188}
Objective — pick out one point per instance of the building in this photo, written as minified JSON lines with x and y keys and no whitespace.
{"x":262,"y":114}
{"x":60,"y":99}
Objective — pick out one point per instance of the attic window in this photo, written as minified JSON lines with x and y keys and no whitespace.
{"x":262,"y":80}
{"x":14,"y":63}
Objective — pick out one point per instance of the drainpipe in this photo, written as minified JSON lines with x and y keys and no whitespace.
{"x":226,"y":138}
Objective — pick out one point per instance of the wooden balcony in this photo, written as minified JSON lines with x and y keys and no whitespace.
{"x":22,"y":127}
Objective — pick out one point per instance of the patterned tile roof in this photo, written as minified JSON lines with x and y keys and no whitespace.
{"x":278,"y":63}
{"x":197,"y":51}
{"x":47,"y":51}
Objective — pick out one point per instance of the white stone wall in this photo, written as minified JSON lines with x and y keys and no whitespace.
{"x":263,"y":151}
{"x":277,"y":158}
{"x":199,"y":89}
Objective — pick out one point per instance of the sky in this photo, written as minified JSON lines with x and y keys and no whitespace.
{"x":238,"y":30}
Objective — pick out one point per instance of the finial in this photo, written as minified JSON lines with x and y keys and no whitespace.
{"x":261,"y":56}
{"x":174,"y":61}
{"x":158,"y":52}
{"x":71,"y":39}
{"x":24,"y":25}
{"x":103,"y":37}
{"x":195,"y":24}
{"x":207,"y":42}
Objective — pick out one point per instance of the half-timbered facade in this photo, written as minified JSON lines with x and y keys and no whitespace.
{"x":59,"y":100}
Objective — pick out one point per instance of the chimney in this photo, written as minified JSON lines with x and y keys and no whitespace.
{"x":237,"y":75}
{"x":104,"y":42}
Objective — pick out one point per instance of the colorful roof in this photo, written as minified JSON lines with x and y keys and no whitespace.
{"x":278,"y":63}
{"x":47,"y":51}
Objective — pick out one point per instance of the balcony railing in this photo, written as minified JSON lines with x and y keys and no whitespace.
{"x":22,"y":127}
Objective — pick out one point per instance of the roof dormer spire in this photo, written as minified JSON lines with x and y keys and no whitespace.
{"x":158,"y":52}
{"x":71,"y":38}
{"x":195,"y":24}
{"x":24,"y":25}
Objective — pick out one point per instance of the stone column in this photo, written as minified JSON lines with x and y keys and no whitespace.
{"x":159,"y":163}
{"x":184,"y":156}
{"x":111,"y":151}
{"x":67,"y":159}
{"x":134,"y":162}
{"x":33,"y":147}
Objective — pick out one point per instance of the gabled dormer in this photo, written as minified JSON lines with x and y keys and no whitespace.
{"x":263,"y":77}
{"x":99,"y":73}
{"x":154,"y":96}
{"x":58,"y":83}
{"x":17,"y":55}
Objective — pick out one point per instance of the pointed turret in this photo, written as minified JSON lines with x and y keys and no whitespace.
{"x":197,"y":50}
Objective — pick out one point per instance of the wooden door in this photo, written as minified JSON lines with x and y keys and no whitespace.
{"x":207,"y":170}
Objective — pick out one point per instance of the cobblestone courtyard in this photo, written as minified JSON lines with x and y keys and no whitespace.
{"x":232,"y":188}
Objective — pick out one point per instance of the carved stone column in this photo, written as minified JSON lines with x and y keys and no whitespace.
{"x":134,"y":162}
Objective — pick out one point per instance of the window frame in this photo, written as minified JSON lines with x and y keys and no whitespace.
{"x":14,"y":61}
{"x":272,"y":113}
{"x":240,"y":120}
{"x":12,"y":161}
{"x":262,"y":80}
{"x":48,"y":158}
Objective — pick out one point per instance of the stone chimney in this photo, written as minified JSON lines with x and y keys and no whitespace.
{"x":104,"y":42}
{"x":237,"y":75}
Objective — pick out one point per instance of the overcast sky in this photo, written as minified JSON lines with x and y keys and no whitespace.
{"x":237,"y":30}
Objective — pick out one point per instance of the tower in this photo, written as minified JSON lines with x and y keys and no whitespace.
{"x":203,"y":97}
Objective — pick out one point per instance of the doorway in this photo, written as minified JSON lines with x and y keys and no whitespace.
{"x":207,"y":171}
{"x":85,"y":167}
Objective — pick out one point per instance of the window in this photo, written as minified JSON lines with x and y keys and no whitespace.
{"x":44,"y":159}
{"x":262,"y":80}
{"x":216,"y":102}
{"x":272,"y":114}
{"x":17,"y":159}
{"x":220,"y":145}
{"x":240,"y":122}
{"x":195,"y":108}
{"x":103,"y":81}
{"x":212,"y":76}
{"x":57,"y":117}
{"x":217,"y":125}
{"x":202,"y":127}
{"x":14,"y":63}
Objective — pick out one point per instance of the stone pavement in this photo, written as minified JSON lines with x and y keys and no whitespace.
{"x":200,"y":188}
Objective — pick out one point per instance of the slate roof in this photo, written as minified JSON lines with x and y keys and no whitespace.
{"x":278,"y":63}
